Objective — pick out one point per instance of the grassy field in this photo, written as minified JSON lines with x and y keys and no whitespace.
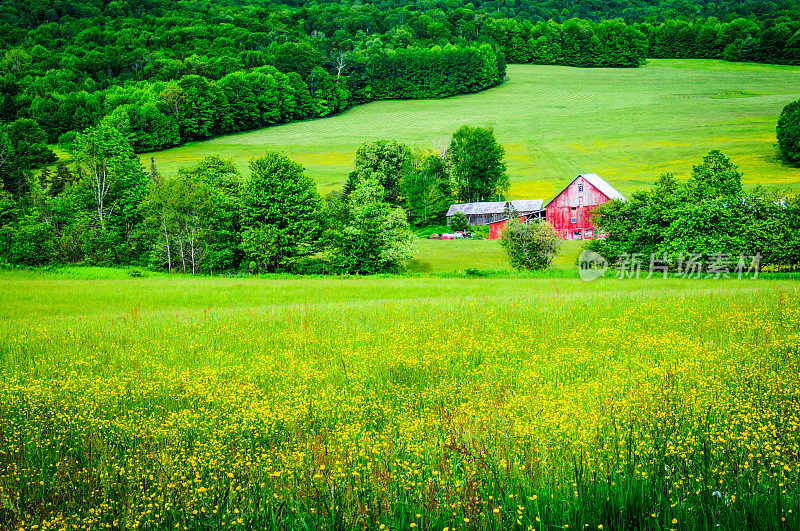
{"x":397,"y":403}
{"x":446,"y":256}
{"x":628,"y":125}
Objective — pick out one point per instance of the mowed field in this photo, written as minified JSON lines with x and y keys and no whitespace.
{"x":627,"y":125}
{"x":397,"y":403}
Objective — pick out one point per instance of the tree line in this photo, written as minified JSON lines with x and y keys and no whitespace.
{"x":174,"y":69}
{"x":106,"y":208}
{"x":162,"y":114}
{"x":709,"y":218}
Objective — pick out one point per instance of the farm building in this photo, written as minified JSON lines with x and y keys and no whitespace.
{"x":497,"y":227}
{"x":569,"y":211}
{"x":491,"y":212}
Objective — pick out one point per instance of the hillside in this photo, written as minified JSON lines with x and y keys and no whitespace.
{"x":627,"y":125}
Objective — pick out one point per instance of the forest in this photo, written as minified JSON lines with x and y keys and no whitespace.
{"x":175,"y":72}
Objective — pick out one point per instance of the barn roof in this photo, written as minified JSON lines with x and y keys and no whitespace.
{"x":495,"y":207}
{"x":599,"y":183}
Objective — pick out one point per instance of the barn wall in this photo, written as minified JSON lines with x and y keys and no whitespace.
{"x":497,"y":227}
{"x":559,"y":210}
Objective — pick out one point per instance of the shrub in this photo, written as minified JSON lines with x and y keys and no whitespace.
{"x":31,"y":243}
{"x":530,"y":245}
{"x":459,"y":222}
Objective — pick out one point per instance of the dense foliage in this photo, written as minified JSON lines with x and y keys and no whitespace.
{"x":373,"y":235}
{"x":281,"y":213}
{"x":23,"y":146}
{"x":788,"y":132}
{"x":192,"y":222}
{"x":459,"y":222}
{"x":106,"y":209}
{"x":172,"y":73}
{"x":709,"y":220}
{"x":478,"y":165}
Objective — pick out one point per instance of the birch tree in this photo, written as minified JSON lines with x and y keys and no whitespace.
{"x":104,"y":159}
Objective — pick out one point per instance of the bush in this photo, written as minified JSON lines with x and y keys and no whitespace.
{"x":530,"y":245}
{"x":459,"y":223}
{"x":788,"y":132}
{"x":31,"y":243}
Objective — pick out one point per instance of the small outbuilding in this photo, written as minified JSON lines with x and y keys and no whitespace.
{"x":569,"y":211}
{"x":485,"y":213}
{"x":497,"y":227}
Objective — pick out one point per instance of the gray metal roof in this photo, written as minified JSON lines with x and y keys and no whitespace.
{"x":602,"y":185}
{"x":523,"y":206}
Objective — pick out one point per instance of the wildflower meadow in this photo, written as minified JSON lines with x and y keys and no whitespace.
{"x":398,"y":403}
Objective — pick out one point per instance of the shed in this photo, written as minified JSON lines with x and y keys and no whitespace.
{"x":497,"y":227}
{"x":568,"y":212}
{"x":485,"y":213}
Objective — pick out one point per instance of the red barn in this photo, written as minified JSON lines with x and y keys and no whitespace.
{"x":569,"y":211}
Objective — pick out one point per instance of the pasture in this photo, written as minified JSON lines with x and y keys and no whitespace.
{"x":448,"y":256}
{"x":628,"y":125}
{"x":397,"y":403}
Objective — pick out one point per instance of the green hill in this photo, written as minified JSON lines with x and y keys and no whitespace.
{"x":628,"y":125}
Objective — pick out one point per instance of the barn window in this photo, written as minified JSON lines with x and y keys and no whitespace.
{"x":587,"y":233}
{"x":580,"y":187}
{"x":576,"y":235}
{"x":574,"y":214}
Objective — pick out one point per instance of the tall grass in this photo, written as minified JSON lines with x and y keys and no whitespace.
{"x":425,"y":403}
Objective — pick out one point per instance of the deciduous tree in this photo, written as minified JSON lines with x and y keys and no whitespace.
{"x":788,"y":132}
{"x":477,"y":165}
{"x":281,"y":212}
{"x":375,"y":236}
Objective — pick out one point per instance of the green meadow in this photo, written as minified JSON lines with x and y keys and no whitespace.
{"x":627,"y":125}
{"x":459,"y":396}
{"x":397,"y":403}
{"x":447,"y":256}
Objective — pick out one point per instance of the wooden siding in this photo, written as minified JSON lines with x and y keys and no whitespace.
{"x":497,"y":227}
{"x":581,"y":196}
